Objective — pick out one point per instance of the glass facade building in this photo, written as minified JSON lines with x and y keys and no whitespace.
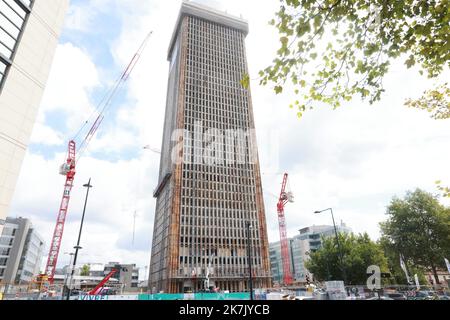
{"x":21,"y":249}
{"x":309,"y":240}
{"x":13,"y":16}
{"x":29,"y":33}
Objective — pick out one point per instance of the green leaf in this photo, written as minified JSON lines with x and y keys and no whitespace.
{"x":278,"y":89}
{"x":245,"y":82}
{"x":317,"y":21}
{"x":410,"y":62}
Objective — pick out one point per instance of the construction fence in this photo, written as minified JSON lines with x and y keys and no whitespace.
{"x":167,"y":296}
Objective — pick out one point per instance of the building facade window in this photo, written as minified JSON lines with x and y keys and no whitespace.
{"x":4,"y":252}
{"x":6,"y":241}
{"x":3,"y":66}
{"x":13,"y":15}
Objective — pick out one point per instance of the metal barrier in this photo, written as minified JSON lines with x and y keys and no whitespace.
{"x":196,"y":296}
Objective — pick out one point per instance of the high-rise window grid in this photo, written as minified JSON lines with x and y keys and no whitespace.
{"x":217,"y":199}
{"x":13,"y":15}
{"x":205,"y":202}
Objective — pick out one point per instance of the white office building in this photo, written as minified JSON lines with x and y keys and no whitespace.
{"x":29,"y":32}
{"x":21,"y":249}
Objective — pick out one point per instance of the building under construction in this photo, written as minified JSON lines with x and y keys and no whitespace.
{"x":209,"y":195}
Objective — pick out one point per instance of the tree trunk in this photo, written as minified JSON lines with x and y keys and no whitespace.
{"x":436,"y":277}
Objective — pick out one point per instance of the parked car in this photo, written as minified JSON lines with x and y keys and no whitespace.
{"x":396,"y":296}
{"x":380,"y":298}
{"x":423,"y":295}
{"x":304,"y":298}
{"x":444,"y":295}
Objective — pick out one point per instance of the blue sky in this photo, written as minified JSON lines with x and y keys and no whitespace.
{"x":354,"y":159}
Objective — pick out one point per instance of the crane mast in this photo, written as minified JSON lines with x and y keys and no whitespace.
{"x":67,"y":169}
{"x":282,"y":200}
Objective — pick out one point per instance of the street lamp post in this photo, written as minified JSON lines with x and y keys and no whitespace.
{"x":145,"y":278}
{"x":65,"y":288}
{"x":338,"y":243}
{"x":249,"y":252}
{"x":77,"y":247}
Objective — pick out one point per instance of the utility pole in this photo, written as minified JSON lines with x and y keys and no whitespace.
{"x":249,"y":252}
{"x":77,"y":247}
{"x":341,"y":254}
{"x":65,"y":287}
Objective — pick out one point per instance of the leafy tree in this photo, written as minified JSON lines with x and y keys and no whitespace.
{"x":332,"y":50}
{"x":445,"y":190}
{"x":436,"y":102}
{"x":397,"y":274}
{"x":418,"y":227}
{"x":85,"y":270}
{"x":359,"y":252}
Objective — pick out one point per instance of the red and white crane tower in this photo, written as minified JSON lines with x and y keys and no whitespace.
{"x":68,"y":169}
{"x":284,"y":198}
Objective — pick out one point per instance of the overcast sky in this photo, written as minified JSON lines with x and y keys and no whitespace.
{"x":354,"y":159}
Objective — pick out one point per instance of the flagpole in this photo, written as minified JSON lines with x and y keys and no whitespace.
{"x":447,"y":263}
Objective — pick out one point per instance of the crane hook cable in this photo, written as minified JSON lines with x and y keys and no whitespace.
{"x":107,"y":99}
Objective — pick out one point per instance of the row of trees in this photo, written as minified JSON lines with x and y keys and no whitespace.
{"x":417,"y":227}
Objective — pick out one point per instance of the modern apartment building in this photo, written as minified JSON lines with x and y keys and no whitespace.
{"x":29,"y":32}
{"x":276,"y":262}
{"x":127,"y":275}
{"x":300,"y":246}
{"x":210,"y":207}
{"x":21,"y":249}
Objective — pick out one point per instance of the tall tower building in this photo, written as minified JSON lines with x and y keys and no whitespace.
{"x":210,"y":208}
{"x":29,"y":32}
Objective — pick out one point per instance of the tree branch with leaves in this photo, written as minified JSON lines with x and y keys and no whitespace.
{"x":333,"y":50}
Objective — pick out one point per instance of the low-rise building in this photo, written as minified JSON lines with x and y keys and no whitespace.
{"x":127,"y":274}
{"x":21,"y":249}
{"x":126,"y":279}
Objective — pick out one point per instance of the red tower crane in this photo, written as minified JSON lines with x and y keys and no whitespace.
{"x":68,"y":168}
{"x":284,"y":198}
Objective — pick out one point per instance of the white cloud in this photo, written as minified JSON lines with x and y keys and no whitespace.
{"x":72,"y":78}
{"x":45,"y":135}
{"x":81,"y":16}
